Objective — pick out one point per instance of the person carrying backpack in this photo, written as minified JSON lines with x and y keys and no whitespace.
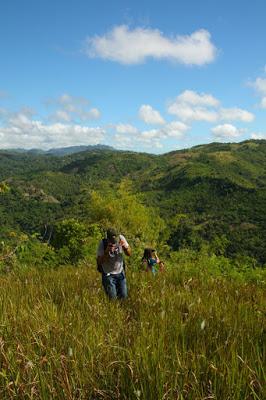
{"x":111,"y":264}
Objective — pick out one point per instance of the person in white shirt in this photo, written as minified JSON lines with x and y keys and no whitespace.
{"x":111,"y":264}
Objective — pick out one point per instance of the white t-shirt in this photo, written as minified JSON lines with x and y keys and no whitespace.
{"x":114,"y":263}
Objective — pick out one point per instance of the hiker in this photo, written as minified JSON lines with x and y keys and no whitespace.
{"x":151,"y":261}
{"x":111,"y":264}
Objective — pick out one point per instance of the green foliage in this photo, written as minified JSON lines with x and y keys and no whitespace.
{"x":124,"y":210}
{"x":4,"y":188}
{"x":68,"y":239}
{"x":19,"y":250}
{"x":220,"y":188}
{"x":34,"y":253}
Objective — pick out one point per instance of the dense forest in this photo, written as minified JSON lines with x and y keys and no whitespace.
{"x":208,"y":197}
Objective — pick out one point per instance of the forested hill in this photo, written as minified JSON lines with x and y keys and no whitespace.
{"x":211,"y":195}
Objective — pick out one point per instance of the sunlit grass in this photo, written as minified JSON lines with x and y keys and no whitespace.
{"x":179,"y":335}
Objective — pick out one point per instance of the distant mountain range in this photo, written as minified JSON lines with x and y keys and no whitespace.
{"x":60,"y":151}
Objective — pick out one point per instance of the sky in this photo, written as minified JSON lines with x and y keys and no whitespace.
{"x":149,"y":76}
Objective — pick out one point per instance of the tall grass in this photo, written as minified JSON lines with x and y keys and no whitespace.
{"x":184,"y":334}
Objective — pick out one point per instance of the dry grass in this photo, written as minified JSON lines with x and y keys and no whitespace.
{"x":177,"y":336}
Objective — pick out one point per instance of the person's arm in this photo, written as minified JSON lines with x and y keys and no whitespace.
{"x":161,"y":266}
{"x":157,"y":258}
{"x":127,"y":250}
{"x":125,"y":246}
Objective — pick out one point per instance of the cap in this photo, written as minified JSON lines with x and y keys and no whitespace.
{"x":111,"y":233}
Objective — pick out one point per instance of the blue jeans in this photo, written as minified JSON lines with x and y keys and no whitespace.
{"x":115,"y":285}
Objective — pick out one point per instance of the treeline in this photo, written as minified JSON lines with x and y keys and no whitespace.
{"x":209,"y":197}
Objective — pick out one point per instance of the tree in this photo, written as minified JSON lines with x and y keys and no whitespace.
{"x":124,"y":210}
{"x":69,"y":239}
{"x":4,"y":188}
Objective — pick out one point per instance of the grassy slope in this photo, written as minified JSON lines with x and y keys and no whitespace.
{"x":189,"y":334}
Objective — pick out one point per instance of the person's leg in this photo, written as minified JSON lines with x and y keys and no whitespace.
{"x":121,"y":286}
{"x":109,"y":285}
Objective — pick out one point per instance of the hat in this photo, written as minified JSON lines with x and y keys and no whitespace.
{"x":111,"y":234}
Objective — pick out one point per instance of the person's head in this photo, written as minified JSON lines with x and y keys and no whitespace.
{"x":111,"y":235}
{"x":148,"y":253}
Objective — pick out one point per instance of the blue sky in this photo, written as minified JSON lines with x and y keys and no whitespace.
{"x":137,"y":75}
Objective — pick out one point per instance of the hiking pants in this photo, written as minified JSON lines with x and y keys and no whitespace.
{"x":115,"y":285}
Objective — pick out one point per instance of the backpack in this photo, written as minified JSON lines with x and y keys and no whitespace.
{"x":99,"y":266}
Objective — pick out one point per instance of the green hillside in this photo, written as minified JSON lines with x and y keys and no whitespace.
{"x":211,"y":195}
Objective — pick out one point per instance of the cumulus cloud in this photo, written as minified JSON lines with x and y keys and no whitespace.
{"x":124,"y":142}
{"x":126,"y":129}
{"x":128,"y":136}
{"x":150,"y":116}
{"x":258,"y":135}
{"x":174,"y":129}
{"x":61,"y":115}
{"x":73,"y":108}
{"x":84,"y":115}
{"x":226,"y":131}
{"x":134,"y":46}
{"x":187,"y":113}
{"x":66,"y":98}
{"x":193,"y":106}
{"x":154,"y":137}
{"x":236,"y":114}
{"x":23,"y":131}
{"x":197,"y":99}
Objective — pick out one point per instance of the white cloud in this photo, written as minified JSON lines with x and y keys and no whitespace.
{"x":73,"y":100}
{"x":61,"y":115}
{"x":151,"y":134}
{"x":187,"y":113}
{"x":22,"y":131}
{"x":237,"y":114}
{"x":258,"y":135}
{"x":128,"y":136}
{"x":93,"y":113}
{"x":226,"y":131}
{"x":126,"y":129}
{"x":153,"y":137}
{"x":175,"y":129}
{"x":134,"y":46}
{"x":123,"y":142}
{"x":259,"y":85}
{"x":193,"y":106}
{"x":150,"y":116}
{"x":73,"y":108}
{"x":196,"y":99}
